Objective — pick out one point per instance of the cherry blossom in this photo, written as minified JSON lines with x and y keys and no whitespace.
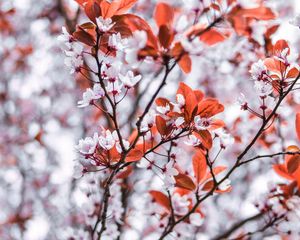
{"x":129,"y":80}
{"x":88,"y":145}
{"x":258,"y":70}
{"x":169,"y":172}
{"x":202,"y":123}
{"x":104,"y":25}
{"x":107,"y":141}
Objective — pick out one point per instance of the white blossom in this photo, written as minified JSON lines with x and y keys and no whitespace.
{"x":116,"y":42}
{"x":179,"y":121}
{"x":263,"y":89}
{"x":66,"y":39}
{"x":88,"y":145}
{"x":257,"y":70}
{"x":180,"y":204}
{"x":138,"y":40}
{"x":107,"y":141}
{"x":163,"y":109}
{"x":169,"y":172}
{"x":114,"y":87}
{"x":129,"y":80}
{"x":104,"y":25}
{"x":180,"y":100}
{"x":225,"y":138}
{"x":89,"y":95}
{"x":98,"y":91}
{"x":78,"y":171}
{"x":241,"y":100}
{"x":201,"y":123}
{"x":148,"y":121}
{"x":192,"y":141}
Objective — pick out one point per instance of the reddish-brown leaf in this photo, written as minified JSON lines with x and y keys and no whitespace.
{"x":199,"y":166}
{"x":161,"y":199}
{"x":199,"y":95}
{"x":134,"y":155}
{"x":92,"y":9}
{"x":212,"y":37}
{"x":280,"y":45}
{"x":184,"y":181}
{"x":208,"y":185}
{"x":163,"y":14}
{"x":185,"y":63}
{"x":184,"y":90}
{"x":215,"y":124}
{"x":84,"y":37}
{"x":293,"y":164}
{"x":191,"y":104}
{"x":124,"y":5}
{"x":209,"y":107}
{"x":259,"y":13}
{"x":161,"y":125}
{"x":272,"y":64}
{"x":134,"y":23}
{"x":205,"y":137}
{"x":162,"y":102}
{"x":282,"y":171}
{"x":165,"y":36}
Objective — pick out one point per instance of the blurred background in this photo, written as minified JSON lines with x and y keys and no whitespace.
{"x":40,"y":123}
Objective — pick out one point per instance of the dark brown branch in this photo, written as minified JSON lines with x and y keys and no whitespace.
{"x":237,"y":163}
{"x":237,"y":226}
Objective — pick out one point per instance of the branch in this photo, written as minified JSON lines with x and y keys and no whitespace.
{"x":237,"y":225}
{"x":237,"y":163}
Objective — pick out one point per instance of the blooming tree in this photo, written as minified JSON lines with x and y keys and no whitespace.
{"x":190,"y":122}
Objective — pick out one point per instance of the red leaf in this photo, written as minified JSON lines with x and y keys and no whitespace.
{"x":125,"y":173}
{"x":165,"y":36}
{"x":281,"y":170}
{"x":161,"y":125}
{"x":92,"y":10}
{"x":273,"y":65}
{"x":162,"y":102}
{"x":84,"y":37}
{"x":293,"y":73}
{"x":134,"y":23}
{"x":209,"y":107}
{"x":208,"y":185}
{"x":280,"y":45}
{"x":184,"y":181}
{"x":190,"y":105}
{"x":163,"y":14}
{"x":161,"y":199}
{"x":199,"y":95}
{"x":215,"y":124}
{"x":185,"y":63}
{"x":212,"y":37}
{"x":199,"y":166}
{"x":134,"y":155}
{"x":293,"y":164}
{"x":124,"y":5}
{"x":259,"y":13}
{"x":184,"y":90}
{"x":205,"y":137}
